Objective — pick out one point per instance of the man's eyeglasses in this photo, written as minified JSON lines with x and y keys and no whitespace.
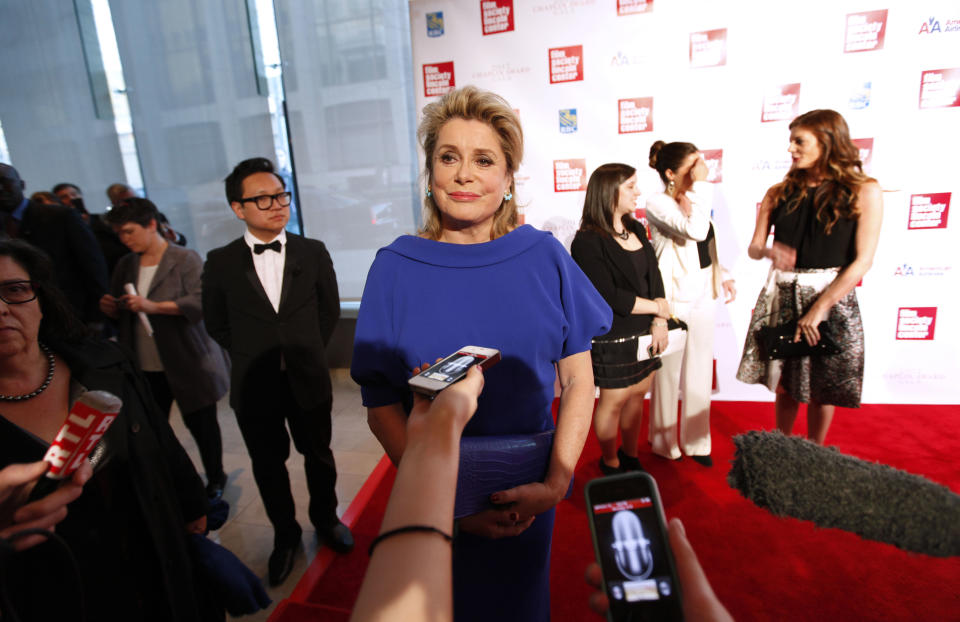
{"x":18,"y":292}
{"x":265,"y":201}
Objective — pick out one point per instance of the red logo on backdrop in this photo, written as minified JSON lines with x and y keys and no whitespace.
{"x":714,"y":160}
{"x":635,"y":115}
{"x":569,"y":175}
{"x":865,"y":145}
{"x":708,"y":48}
{"x":437,"y":79}
{"x":497,"y":16}
{"x":940,"y":88}
{"x":916,"y":322}
{"x":632,"y":7}
{"x":566,"y":64}
{"x":781,"y":104}
{"x":929,"y":211}
{"x":865,"y":31}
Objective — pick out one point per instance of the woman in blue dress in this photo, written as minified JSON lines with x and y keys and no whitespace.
{"x":473,"y":277}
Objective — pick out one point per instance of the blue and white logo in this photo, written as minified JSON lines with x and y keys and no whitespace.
{"x":435,"y":24}
{"x":860,"y":97}
{"x":568,"y":120}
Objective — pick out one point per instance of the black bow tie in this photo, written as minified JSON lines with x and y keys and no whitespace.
{"x":273,"y":246}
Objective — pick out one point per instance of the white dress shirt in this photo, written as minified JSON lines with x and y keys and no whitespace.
{"x":269,"y":266}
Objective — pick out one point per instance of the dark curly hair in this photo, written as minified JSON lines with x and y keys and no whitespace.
{"x":60,"y":323}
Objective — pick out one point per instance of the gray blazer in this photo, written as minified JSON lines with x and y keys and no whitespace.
{"x":196,"y":367}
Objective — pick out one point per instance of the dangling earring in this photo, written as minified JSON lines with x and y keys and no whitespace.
{"x":429,"y":194}
{"x":670,"y":188}
{"x":507,"y":196}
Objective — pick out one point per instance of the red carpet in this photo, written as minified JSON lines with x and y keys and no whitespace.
{"x":761,"y":566}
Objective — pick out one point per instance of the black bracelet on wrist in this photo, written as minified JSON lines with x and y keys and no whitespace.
{"x":406,"y":529}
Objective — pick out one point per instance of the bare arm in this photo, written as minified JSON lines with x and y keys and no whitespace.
{"x":389,"y":424}
{"x":410,"y":574}
{"x":782,"y":256}
{"x":573,"y":425}
{"x":870,"y":202}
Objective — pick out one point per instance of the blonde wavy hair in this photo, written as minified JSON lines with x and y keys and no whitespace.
{"x":471,"y":104}
{"x":839,"y":167}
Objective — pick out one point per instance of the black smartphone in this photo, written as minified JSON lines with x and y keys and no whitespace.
{"x":630,"y":541}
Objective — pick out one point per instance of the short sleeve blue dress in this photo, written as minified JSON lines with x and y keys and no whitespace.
{"x":521,"y":294}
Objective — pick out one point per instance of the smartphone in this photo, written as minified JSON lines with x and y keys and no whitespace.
{"x":441,"y":375}
{"x":630,"y":542}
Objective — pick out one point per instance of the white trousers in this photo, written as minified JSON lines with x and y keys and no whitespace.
{"x":691,"y":370}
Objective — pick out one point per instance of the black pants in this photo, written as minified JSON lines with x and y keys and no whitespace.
{"x":202,"y":424}
{"x":263,"y":417}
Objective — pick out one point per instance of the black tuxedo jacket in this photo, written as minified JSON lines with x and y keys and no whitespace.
{"x":612,"y":272}
{"x":77,"y":258}
{"x":239,"y":316}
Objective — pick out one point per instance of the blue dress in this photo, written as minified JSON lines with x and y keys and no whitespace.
{"x":521,"y":294}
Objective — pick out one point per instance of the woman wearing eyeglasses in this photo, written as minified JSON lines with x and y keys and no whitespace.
{"x":128,"y":529}
{"x":179,"y":358}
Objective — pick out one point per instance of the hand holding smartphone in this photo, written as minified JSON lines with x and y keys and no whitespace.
{"x":632,"y":548}
{"x":452,"y":369}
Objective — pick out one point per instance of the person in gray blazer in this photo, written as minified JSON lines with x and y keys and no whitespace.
{"x":176,"y":354}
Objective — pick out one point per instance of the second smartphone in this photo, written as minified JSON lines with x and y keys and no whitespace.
{"x":630,"y":542}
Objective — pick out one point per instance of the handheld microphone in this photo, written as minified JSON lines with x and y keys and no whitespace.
{"x":89,"y":418}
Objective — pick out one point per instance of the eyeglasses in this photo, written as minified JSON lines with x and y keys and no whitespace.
{"x":18,"y":292}
{"x":265,"y":201}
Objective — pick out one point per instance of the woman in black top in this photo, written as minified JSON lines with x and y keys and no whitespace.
{"x":826,"y":215}
{"x":614,"y":251}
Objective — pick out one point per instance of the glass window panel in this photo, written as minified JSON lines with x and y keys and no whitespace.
{"x":352,"y":129}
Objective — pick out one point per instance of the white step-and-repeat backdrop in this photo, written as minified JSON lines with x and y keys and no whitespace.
{"x":598,"y":81}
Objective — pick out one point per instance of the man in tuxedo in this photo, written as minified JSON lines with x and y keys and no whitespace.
{"x":58,"y":231}
{"x":270,"y":299}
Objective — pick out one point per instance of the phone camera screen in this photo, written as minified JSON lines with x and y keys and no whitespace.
{"x":453,"y":367}
{"x":633,"y":556}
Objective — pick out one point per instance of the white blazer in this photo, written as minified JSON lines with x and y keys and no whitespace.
{"x":675,"y":238}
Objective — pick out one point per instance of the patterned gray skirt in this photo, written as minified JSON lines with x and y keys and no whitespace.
{"x":835,"y":379}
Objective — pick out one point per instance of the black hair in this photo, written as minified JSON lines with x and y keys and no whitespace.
{"x":233,"y":183}
{"x":669,"y":156}
{"x":603,"y":196}
{"x":60,"y":323}
{"x":66,"y":184}
{"x":135,"y":210}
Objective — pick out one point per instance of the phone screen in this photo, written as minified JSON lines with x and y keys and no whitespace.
{"x":633,"y":551}
{"x":453,"y":367}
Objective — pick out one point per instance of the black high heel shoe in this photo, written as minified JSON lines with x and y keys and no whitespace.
{"x":628,"y":463}
{"x":606,"y":469}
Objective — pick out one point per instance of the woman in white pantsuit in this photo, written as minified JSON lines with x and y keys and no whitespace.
{"x":685,"y":242}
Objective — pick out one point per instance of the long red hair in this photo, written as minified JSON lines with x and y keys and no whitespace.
{"x":839,"y":168}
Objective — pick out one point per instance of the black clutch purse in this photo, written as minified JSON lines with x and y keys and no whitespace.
{"x":776,"y":342}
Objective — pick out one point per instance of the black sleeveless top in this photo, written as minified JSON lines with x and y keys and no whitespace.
{"x":801,"y":230}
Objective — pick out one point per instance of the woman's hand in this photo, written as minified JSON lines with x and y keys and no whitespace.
{"x":663,"y":308}
{"x":784,"y":257}
{"x":109,"y":306}
{"x":729,"y":290}
{"x":660,"y":339}
{"x":699,"y":171}
{"x":456,"y":403}
{"x":138,"y":303}
{"x":495,"y":524}
{"x":17,"y":515}
{"x":807,"y":326}
{"x":529,"y":500}
{"x":700,"y":603}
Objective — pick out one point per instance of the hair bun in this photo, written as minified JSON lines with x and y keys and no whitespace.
{"x":655,"y":152}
